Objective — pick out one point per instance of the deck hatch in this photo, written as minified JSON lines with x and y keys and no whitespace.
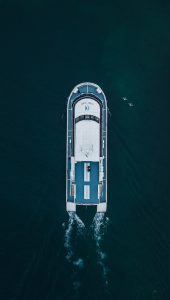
{"x":86,"y":192}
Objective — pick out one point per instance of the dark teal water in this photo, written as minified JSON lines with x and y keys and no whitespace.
{"x":46,"y":48}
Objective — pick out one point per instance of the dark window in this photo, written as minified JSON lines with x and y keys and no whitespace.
{"x":87,"y":117}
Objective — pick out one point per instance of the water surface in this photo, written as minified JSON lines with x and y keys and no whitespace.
{"x":47,"y":47}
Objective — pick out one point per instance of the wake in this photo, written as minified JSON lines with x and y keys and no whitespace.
{"x":74,"y":224}
{"x":99,"y":226}
{"x":68,"y":235}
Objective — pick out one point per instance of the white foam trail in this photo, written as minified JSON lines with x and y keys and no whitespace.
{"x":74,"y":222}
{"x":79,"y":263}
{"x":79,"y":225}
{"x":68,"y":236}
{"x":79,"y":221}
{"x":99,"y":226}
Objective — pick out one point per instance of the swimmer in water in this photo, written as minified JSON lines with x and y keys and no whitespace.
{"x":124,"y":98}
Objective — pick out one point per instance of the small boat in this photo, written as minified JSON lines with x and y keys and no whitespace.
{"x":86,"y":150}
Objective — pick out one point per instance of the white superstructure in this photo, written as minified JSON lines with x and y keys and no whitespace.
{"x":87,"y":132}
